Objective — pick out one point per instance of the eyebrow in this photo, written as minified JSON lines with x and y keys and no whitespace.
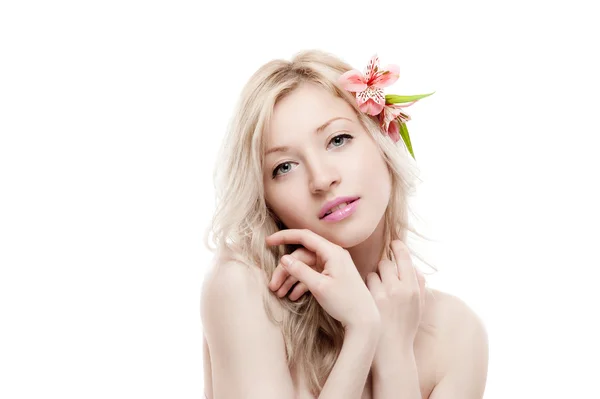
{"x":317,"y":131}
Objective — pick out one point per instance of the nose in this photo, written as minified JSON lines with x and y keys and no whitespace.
{"x":322,"y":177}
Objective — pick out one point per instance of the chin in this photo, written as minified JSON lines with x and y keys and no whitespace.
{"x":348,"y":236}
{"x":349,"y":241}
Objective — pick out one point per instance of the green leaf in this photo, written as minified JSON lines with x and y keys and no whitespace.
{"x":395,"y":99}
{"x":406,"y":138}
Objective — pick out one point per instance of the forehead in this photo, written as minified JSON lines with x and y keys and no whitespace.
{"x":304,"y":109}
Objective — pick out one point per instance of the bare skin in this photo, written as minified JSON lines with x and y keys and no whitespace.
{"x":427,"y":349}
{"x":318,"y":151}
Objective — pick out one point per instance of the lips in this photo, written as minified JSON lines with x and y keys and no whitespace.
{"x":332,"y":204}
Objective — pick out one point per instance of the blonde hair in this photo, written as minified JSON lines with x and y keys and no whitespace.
{"x":242,"y":219}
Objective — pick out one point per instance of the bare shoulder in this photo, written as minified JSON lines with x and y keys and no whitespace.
{"x":245,"y":348}
{"x":225,"y":266}
{"x":451,"y":313}
{"x":225,"y":271}
{"x":229,"y":278}
{"x":462,"y":346}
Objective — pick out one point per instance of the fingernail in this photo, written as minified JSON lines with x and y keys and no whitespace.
{"x":286,"y":260}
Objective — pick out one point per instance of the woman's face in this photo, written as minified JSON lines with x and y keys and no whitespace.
{"x":319,"y":165}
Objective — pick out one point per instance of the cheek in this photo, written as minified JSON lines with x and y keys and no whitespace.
{"x":291,"y":209}
{"x":376,"y":179}
{"x":370,"y":167}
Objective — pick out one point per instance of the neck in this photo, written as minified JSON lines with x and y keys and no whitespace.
{"x":367,"y":254}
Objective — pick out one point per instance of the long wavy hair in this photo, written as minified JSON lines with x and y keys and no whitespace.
{"x":242,"y":219}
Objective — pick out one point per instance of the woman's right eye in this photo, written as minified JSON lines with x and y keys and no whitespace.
{"x":282,"y":167}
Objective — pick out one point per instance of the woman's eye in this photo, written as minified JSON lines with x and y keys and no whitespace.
{"x":285,"y":167}
{"x":339,"y":139}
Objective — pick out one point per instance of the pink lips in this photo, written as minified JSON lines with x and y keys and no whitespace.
{"x":342,"y":213}
{"x":335,"y":202}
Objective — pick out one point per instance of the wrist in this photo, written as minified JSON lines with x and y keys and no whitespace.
{"x":391,"y":354}
{"x":366,"y":329}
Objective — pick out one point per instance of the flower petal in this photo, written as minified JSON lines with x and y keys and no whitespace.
{"x":393,"y":111}
{"x":370,"y":107}
{"x":386,"y":77}
{"x":353,"y":81}
{"x":372,"y":68}
{"x":372,"y":95}
{"x":400,"y":105}
{"x":386,"y":117}
{"x":394,"y":131}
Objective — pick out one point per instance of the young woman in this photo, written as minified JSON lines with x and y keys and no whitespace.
{"x":308,"y":170}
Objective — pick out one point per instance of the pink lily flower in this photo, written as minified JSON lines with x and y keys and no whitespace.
{"x":391,"y":117}
{"x":369,"y":87}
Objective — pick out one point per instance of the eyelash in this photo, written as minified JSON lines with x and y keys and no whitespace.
{"x":345,"y":135}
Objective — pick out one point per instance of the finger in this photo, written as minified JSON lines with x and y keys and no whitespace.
{"x":278,"y":278}
{"x":304,"y":273}
{"x":307,"y":238}
{"x":306,"y":256}
{"x":373,"y":282}
{"x":287,"y":285}
{"x":280,"y":275}
{"x":299,"y":290}
{"x":406,"y":270}
{"x":388,"y":271}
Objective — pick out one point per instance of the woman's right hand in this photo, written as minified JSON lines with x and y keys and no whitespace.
{"x":339,"y":288}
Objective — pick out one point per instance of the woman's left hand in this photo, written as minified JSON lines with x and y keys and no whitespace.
{"x":282,"y":281}
{"x":398,"y":289}
{"x":399,"y":292}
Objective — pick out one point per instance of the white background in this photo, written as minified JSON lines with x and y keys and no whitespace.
{"x":111,"y":114}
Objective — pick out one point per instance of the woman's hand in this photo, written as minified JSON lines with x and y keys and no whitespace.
{"x":400,"y":305}
{"x":339,"y":288}
{"x":399,"y":292}
{"x":282,"y":281}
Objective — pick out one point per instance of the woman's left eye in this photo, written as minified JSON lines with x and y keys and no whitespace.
{"x":340,"y":137}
